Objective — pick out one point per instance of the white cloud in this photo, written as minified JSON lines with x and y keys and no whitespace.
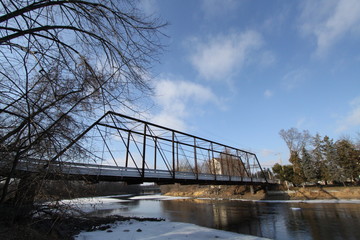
{"x":223,"y":55}
{"x":215,"y":8}
{"x":179,"y":100}
{"x":352,"y":119}
{"x":329,"y":21}
{"x":268,"y":93}
{"x":294,"y":79}
{"x":169,"y":120}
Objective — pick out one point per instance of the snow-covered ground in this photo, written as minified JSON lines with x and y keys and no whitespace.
{"x":159,"y":231}
{"x":156,"y":197}
{"x":88,"y":205}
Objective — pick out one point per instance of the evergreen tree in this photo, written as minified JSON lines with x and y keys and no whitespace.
{"x":299,"y":176}
{"x":308,"y":166}
{"x":283,"y":172}
{"x":318,"y":158}
{"x":348,"y":159}
{"x":334,"y":172}
{"x":326,"y":161}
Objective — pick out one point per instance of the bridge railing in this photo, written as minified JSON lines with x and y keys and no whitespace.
{"x":114,"y":173}
{"x":144,"y":148}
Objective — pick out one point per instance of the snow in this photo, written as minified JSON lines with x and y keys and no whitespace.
{"x":160,"y":231}
{"x":156,"y":197}
{"x":119,"y":196}
{"x":92,"y":200}
{"x":87,"y":205}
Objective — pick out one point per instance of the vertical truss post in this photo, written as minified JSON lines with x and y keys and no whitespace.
{"x":195,"y":159}
{"x":155,"y":155}
{"x":244,"y":165}
{"x":213,"y":159}
{"x":227,"y":162}
{"x":127,"y":151}
{"x":249,"y":166}
{"x":257,"y":160}
{"x":143,"y":152}
{"x":177,"y":156}
{"x":241,"y":165}
{"x":173,"y":153}
{"x":209,"y":163}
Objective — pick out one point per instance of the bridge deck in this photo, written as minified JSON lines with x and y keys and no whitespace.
{"x":94,"y":172}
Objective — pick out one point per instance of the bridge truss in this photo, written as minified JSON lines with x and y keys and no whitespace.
{"x":121,"y":148}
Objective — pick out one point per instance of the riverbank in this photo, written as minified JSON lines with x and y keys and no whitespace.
{"x":59,"y":227}
{"x":322,"y":193}
{"x":244,"y":192}
{"x":160,"y":231}
{"x":72,"y":219}
{"x":62,"y":226}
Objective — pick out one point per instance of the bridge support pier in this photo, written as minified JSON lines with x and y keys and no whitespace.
{"x":252,"y":190}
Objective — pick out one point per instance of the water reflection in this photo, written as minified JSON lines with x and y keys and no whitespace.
{"x":264,"y":219}
{"x":242,"y":217}
{"x":272,"y":220}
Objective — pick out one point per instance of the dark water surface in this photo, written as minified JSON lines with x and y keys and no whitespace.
{"x":276,"y":220}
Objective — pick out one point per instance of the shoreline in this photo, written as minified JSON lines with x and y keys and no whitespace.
{"x":235,"y":192}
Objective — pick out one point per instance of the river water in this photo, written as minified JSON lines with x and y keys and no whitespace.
{"x":276,"y":220}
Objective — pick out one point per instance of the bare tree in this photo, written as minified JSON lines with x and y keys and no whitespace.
{"x":64,"y":62}
{"x":294,"y":139}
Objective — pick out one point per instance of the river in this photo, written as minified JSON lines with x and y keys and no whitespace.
{"x":276,"y":220}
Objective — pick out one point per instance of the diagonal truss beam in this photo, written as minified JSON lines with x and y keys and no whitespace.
{"x":157,"y":148}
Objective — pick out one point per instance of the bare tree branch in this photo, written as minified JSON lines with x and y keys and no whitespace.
{"x":63,"y":63}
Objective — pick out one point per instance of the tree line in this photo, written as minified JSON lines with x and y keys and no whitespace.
{"x":319,"y":160}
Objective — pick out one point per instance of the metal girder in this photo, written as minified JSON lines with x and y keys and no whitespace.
{"x":154,"y":149}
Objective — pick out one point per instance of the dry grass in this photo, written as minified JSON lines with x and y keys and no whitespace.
{"x":243,"y":192}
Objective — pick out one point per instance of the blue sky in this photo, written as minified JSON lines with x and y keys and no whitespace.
{"x":239,"y":71}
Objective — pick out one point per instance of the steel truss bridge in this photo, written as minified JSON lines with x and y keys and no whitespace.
{"x":121,"y":148}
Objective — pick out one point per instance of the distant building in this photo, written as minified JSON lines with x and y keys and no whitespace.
{"x":227,"y":165}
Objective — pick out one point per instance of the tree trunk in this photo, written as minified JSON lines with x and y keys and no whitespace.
{"x":25,"y":195}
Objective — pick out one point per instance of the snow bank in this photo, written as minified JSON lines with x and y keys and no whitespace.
{"x":156,"y":197}
{"x":159,"y":231}
{"x":92,"y":200}
{"x":87,"y":205}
